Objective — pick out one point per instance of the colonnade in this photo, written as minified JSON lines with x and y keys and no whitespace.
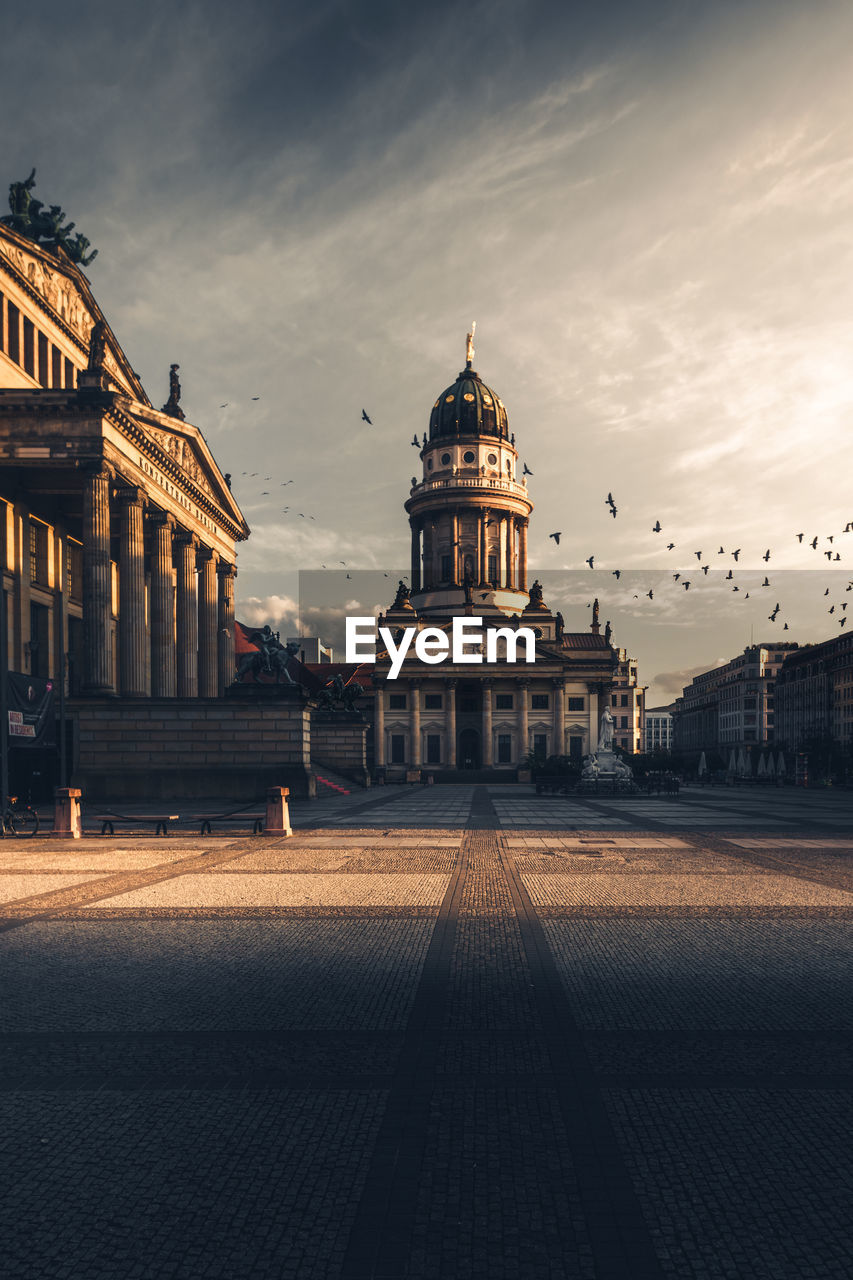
{"x":191,"y":640}
{"x":501,"y":534}
{"x":521,"y":712}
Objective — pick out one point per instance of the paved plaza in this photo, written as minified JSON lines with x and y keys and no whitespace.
{"x":447,"y":1031}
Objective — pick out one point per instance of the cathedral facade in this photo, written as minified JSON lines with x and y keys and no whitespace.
{"x":469,"y":515}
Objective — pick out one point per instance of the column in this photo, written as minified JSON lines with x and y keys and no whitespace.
{"x":487,"y":724}
{"x":163,"y":668}
{"x":97,"y":583}
{"x":434,"y":560}
{"x":523,"y":729}
{"x":187,"y":617}
{"x":478,"y":551}
{"x":226,"y":573}
{"x":593,"y":717}
{"x":131,"y":585}
{"x":522,"y":556}
{"x":454,"y":548}
{"x":208,"y":611}
{"x":510,"y":559}
{"x":415,"y":578}
{"x":450,"y":722}
{"x":379,"y":728}
{"x":559,"y":717}
{"x":502,"y":552}
{"x":415,"y":723}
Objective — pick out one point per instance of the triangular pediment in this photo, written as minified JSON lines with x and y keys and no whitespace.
{"x":182,"y":452}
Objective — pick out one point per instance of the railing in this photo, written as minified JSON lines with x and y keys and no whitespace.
{"x":455,"y":482}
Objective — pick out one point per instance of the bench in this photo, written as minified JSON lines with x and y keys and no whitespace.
{"x":257,"y":820}
{"x":161,"y":821}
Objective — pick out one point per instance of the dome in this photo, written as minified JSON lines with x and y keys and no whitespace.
{"x":468,"y":408}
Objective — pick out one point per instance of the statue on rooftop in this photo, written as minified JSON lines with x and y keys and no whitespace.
{"x":30,"y":218}
{"x":172,"y":405}
{"x":535,"y":596}
{"x":401,"y":599}
{"x":97,"y":346}
{"x":469,"y":350}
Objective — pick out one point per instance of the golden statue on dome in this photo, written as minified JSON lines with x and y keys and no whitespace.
{"x":469,"y":355}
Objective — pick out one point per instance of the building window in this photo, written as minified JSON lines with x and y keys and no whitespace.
{"x":38,"y":553}
{"x":433,"y":748}
{"x":432,"y":702}
{"x":623,"y":724}
{"x":624,"y":701}
{"x":614,"y":699}
{"x":14,"y":343}
{"x":29,"y":347}
{"x":44,"y":376}
{"x":446,"y":569}
{"x":504,"y":748}
{"x":396,"y":702}
{"x":39,"y":640}
{"x":55,"y":367}
{"x":493,"y":570}
{"x":540,"y":744}
{"x":2,"y":323}
{"x":576,"y":748}
{"x":576,"y":704}
{"x":398,"y":748}
{"x":69,"y":374}
{"x":503,"y":701}
{"x":539,"y":701}
{"x":468,"y":704}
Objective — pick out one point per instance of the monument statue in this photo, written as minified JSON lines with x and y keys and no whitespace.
{"x":173,"y":404}
{"x":271,"y":658}
{"x":605,"y":730}
{"x":401,"y":599}
{"x":469,"y":350}
{"x":608,"y":631}
{"x":595,"y":612}
{"x":338,"y":691}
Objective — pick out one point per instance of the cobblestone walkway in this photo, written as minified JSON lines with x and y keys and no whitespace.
{"x":465,"y":1044}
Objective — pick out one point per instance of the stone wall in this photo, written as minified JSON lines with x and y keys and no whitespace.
{"x":170,"y":748}
{"x":338,"y":742}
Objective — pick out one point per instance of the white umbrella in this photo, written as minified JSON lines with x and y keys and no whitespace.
{"x":780,"y":766}
{"x":732,"y":762}
{"x":741,"y":764}
{"x":761,"y":771}
{"x":703,"y":768}
{"x":771,"y":767}
{"x":747,"y":765}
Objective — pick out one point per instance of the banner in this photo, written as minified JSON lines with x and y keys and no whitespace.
{"x":31,"y":711}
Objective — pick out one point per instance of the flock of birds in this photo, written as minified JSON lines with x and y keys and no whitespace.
{"x":832,"y":554}
{"x":703,"y":564}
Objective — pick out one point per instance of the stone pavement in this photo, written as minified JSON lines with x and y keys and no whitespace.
{"x":440,"y":1032}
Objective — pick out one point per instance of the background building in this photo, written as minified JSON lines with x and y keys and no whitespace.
{"x":657,"y":728}
{"x":731,"y":706}
{"x":814,"y":695}
{"x":627,"y":704}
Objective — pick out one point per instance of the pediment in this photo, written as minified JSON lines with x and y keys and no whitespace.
{"x":180,"y":449}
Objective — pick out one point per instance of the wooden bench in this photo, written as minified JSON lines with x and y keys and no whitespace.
{"x":161,"y":821}
{"x":257,"y":820}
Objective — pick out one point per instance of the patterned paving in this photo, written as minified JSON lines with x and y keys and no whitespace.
{"x":447,"y":1032}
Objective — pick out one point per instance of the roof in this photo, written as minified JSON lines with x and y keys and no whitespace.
{"x":584,"y":640}
{"x":468,"y":408}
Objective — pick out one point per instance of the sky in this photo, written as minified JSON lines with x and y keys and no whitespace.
{"x":646,"y":207}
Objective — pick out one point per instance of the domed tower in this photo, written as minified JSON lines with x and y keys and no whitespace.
{"x":469,"y":513}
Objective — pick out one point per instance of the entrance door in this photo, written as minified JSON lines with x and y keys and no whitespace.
{"x":468,"y":755}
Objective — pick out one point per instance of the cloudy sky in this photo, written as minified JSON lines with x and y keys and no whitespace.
{"x":647,"y":208}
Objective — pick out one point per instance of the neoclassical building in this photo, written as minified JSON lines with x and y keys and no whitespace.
{"x":469,"y":515}
{"x":117,"y":529}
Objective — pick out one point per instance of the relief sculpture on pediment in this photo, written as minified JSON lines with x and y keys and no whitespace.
{"x":58,"y":292}
{"x":181,"y":452}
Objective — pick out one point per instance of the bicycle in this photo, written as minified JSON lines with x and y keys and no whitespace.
{"x":20,"y":819}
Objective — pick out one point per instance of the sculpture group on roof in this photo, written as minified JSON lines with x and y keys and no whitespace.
{"x":45,"y":226}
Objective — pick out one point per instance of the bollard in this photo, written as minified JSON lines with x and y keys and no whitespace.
{"x":277,"y":821}
{"x":66,"y":813}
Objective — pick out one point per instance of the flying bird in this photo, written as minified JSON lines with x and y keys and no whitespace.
{"x":526,"y":471}
{"x":766,"y":555}
{"x":656,"y":527}
{"x":772,"y":616}
{"x":729,"y":576}
{"x":223,"y":406}
{"x":813,"y":544}
{"x":843,"y":620}
{"x":556,"y":537}
{"x":416,"y":444}
{"x":826,"y":593}
{"x":590,"y":560}
{"x":256,"y":397}
{"x":365,"y":418}
{"x":686,"y":586}
{"x":676,"y":576}
{"x":785,"y":628}
{"x":670,"y":546}
{"x":698,"y":555}
{"x":722,"y":551}
{"x":736,"y":554}
{"x":766,"y":582}
{"x":799,"y":537}
{"x":617,"y":574}
{"x":705,"y":568}
{"x":651,"y":594}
